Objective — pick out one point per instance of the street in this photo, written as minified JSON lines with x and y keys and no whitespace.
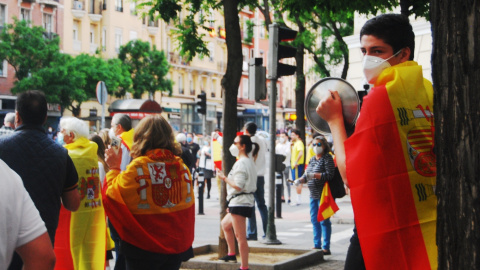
{"x":294,"y":229}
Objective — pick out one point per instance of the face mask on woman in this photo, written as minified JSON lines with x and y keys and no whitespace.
{"x":318,"y":150}
{"x":282,"y":140}
{"x":234,"y":150}
{"x":373,"y":66}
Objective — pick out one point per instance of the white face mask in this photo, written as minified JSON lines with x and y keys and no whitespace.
{"x":318,"y":150}
{"x":373,"y":66}
{"x":111,"y":133}
{"x":282,"y":140}
{"x":234,"y":150}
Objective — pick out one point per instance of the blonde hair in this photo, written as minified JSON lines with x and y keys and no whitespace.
{"x":154,"y":132}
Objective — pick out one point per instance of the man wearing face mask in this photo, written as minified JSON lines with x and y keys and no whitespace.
{"x":388,"y":163}
{"x":193,"y":147}
{"x":283,"y":148}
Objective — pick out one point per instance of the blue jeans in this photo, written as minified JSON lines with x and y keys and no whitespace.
{"x":260,"y":200}
{"x":320,"y":229}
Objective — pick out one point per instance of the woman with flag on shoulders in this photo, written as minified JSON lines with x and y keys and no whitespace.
{"x":320,"y":170}
{"x":151,"y":204}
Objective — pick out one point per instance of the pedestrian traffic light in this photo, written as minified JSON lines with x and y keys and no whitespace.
{"x":277,"y":51}
{"x":202,"y":104}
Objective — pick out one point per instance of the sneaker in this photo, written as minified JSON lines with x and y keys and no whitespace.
{"x":294,"y":204}
{"x":208,"y":196}
{"x":326,"y":252}
{"x":228,"y":258}
{"x":289,"y":201}
{"x":251,"y":238}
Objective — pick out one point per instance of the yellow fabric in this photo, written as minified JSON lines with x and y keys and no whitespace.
{"x":297,"y":147}
{"x":87,"y":224}
{"x":310,"y":154}
{"x":404,"y":87}
{"x":127,"y":138}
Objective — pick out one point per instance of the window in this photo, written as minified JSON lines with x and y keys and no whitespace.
{"x":133,"y":35}
{"x":211,"y":18}
{"x":211,"y":49}
{"x":118,"y":39}
{"x":104,"y":39}
{"x":3,"y":68}
{"x":133,"y":8}
{"x":262,"y":30}
{"x":192,"y":91}
{"x":119,"y":5}
{"x":245,"y":88}
{"x":77,"y":44}
{"x":92,"y":34}
{"x":48,"y":22}
{"x":25,"y":14}
{"x":180,"y":85}
{"x":3,"y":16}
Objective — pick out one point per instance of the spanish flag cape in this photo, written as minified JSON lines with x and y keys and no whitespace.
{"x":391,"y":170}
{"x":80,"y":241}
{"x":151,"y":204}
{"x":127,"y":138}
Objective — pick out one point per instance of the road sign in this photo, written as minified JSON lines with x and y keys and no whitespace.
{"x":102,"y":92}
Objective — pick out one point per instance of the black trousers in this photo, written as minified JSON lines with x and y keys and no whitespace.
{"x":354,"y":260}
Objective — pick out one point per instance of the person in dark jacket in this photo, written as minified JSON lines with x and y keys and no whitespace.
{"x":47,"y":171}
{"x":187,"y":155}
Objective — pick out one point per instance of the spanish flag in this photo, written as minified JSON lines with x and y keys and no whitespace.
{"x":217,"y":151}
{"x":80,"y":241}
{"x":328,"y":207}
{"x":391,"y":171}
{"x":151,"y":204}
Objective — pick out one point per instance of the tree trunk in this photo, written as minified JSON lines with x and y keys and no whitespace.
{"x":456,"y":80}
{"x":300,"y":87}
{"x":230,"y":84}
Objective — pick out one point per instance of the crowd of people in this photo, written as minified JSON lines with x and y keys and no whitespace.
{"x":68,"y":199}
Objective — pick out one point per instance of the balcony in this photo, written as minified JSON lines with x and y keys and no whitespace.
{"x":49,"y":35}
{"x":152,"y":27}
{"x":78,"y":9}
{"x":52,"y":3}
{"x":95,"y":11}
{"x":77,"y":45}
{"x":93,"y":48}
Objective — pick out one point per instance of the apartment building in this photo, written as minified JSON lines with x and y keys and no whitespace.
{"x":45,"y":13}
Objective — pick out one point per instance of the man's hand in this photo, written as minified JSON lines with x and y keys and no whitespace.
{"x":310,"y":176}
{"x":297,"y":182}
{"x":113,"y":158}
{"x":330,"y":107}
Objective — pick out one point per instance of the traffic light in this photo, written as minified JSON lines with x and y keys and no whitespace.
{"x":276,"y":51}
{"x":202,"y":104}
{"x":256,"y":80}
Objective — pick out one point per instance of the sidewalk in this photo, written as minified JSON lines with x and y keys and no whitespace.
{"x":345,"y":213}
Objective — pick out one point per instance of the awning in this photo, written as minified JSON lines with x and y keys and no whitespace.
{"x":135,"y":108}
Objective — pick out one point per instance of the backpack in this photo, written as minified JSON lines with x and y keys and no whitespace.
{"x":337,"y":187}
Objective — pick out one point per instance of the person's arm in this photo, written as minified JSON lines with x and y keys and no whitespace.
{"x":330,"y":109}
{"x":70,"y":195}
{"x":299,"y":157}
{"x":38,"y":253}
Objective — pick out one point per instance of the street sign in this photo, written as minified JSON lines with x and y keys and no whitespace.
{"x":102,"y":92}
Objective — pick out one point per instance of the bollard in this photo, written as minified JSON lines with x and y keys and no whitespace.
{"x":201,"y":184}
{"x":278,"y":195}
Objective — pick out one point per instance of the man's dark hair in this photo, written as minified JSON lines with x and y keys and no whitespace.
{"x":251,"y":127}
{"x":32,"y":107}
{"x":123,"y":120}
{"x":393,"y":29}
{"x":297,"y":131}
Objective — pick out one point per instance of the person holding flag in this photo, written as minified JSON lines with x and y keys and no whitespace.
{"x":319,"y":171}
{"x":388,"y":162}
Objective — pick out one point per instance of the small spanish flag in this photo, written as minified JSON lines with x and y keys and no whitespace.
{"x":328,"y":207}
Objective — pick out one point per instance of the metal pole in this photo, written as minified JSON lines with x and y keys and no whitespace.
{"x":271,"y":238}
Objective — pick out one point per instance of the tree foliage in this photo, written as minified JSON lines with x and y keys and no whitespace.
{"x":26,"y":48}
{"x":148,"y":68}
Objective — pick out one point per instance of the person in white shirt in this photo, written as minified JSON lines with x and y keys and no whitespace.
{"x":206,"y":164}
{"x":260,"y":164}
{"x":241,"y":185}
{"x":21,"y":227}
{"x":283,"y":148}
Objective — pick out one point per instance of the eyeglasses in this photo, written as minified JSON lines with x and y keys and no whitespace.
{"x":317,"y":144}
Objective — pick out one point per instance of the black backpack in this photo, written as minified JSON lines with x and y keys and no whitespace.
{"x":337,"y":187}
